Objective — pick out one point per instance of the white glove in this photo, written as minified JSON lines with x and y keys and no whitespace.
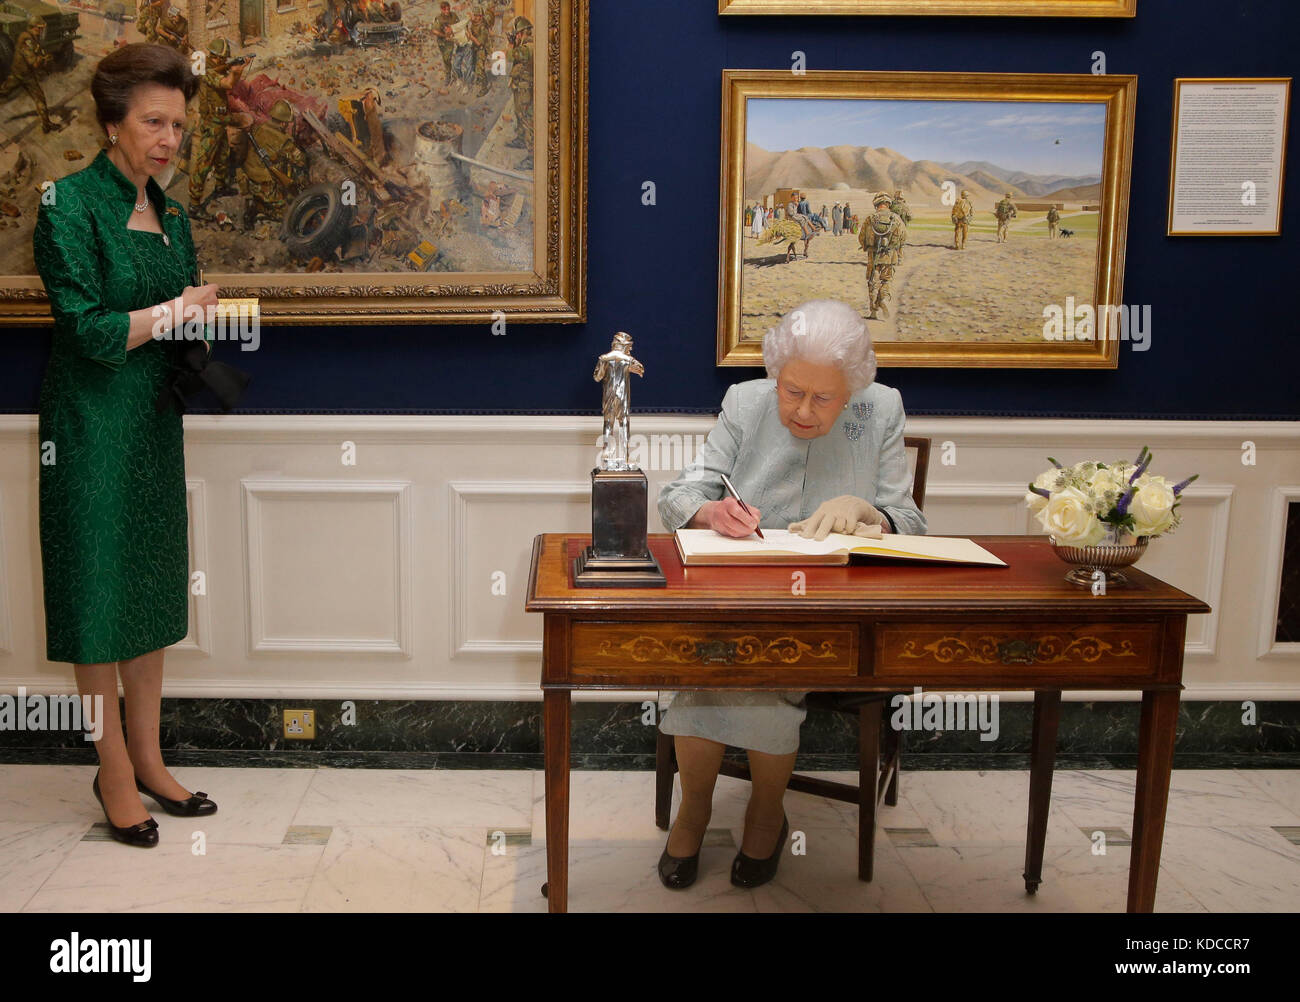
{"x":841,"y":514}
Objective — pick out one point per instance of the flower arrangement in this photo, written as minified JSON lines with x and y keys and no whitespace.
{"x":1091,"y":502}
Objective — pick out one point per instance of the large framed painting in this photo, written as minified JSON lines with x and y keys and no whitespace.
{"x":1017,"y":8}
{"x":381,"y":161}
{"x":974,"y":219}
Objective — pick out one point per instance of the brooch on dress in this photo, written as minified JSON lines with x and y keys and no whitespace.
{"x":853,"y":430}
{"x":171,"y":211}
{"x":863,"y":409}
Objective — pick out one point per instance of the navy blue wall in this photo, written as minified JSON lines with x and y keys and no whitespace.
{"x":1224,"y":322}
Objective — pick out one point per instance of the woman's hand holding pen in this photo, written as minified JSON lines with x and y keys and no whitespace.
{"x":727,"y":517}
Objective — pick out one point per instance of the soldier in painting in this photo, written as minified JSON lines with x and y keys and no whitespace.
{"x":899,"y":207}
{"x":29,"y":59}
{"x":275,"y":168}
{"x":962,"y":211}
{"x":480,"y":40}
{"x":521,"y":87}
{"x":1005,"y":211}
{"x":882,"y":236}
{"x":1053,"y":217}
{"x":149,"y":13}
{"x":211,"y":145}
{"x":444,"y":30}
{"x":174,"y":30}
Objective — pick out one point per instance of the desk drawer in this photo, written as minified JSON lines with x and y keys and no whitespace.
{"x":904,"y":649}
{"x":821,"y":647}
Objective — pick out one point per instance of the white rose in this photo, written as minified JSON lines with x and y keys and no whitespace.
{"x":1152,"y":507}
{"x":1107,"y":480}
{"x":1068,"y":520}
{"x":1035,"y":502}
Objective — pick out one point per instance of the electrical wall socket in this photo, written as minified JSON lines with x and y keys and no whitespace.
{"x":300,"y":725}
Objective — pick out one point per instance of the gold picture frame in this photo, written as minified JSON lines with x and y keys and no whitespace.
{"x":922,"y":322}
{"x":1284,"y":84}
{"x":974,"y":8}
{"x":531,"y":267}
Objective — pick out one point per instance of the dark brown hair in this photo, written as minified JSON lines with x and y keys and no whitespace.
{"x":125,"y":69}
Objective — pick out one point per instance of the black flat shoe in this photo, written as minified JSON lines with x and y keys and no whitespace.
{"x":749,"y":872}
{"x":195,"y":807}
{"x":678,"y":872}
{"x":144,"y":835}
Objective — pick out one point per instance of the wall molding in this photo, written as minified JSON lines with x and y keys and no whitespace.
{"x":462,"y":494}
{"x":1268,"y":645}
{"x":199,"y":637}
{"x":258,"y":492}
{"x":465,"y":492}
{"x":457,"y":428}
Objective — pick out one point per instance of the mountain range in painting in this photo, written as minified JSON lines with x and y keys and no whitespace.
{"x":880,"y":168}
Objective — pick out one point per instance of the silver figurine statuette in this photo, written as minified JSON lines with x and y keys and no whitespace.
{"x":612,"y":370}
{"x":619,"y":555}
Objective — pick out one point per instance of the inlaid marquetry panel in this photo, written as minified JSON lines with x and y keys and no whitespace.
{"x":704,"y":644}
{"x":1114,"y":649}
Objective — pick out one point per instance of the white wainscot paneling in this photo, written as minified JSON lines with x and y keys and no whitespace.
{"x":973,"y":509}
{"x":329,"y":566}
{"x":199,"y":637}
{"x":319,"y":585}
{"x":490,"y":534}
{"x":1195,"y":557}
{"x":1268,"y":646}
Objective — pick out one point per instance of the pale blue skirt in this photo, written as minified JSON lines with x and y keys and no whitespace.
{"x":763,"y":721}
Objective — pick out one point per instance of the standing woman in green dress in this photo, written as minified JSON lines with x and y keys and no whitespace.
{"x":111,"y":249}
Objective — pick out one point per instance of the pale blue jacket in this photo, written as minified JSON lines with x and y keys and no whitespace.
{"x":787,"y":478}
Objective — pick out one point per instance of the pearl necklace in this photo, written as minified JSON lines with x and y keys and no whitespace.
{"x":141,"y":206}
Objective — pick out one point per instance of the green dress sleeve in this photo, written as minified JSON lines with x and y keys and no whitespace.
{"x":63,"y":244}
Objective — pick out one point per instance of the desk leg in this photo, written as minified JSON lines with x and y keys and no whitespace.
{"x":1155,"y":760}
{"x":556,"y":740}
{"x":868,"y":767}
{"x":1042,"y":761}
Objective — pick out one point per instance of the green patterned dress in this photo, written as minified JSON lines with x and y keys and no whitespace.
{"x":112,"y":469}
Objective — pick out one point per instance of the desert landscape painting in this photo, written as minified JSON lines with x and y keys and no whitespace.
{"x":829,"y":158}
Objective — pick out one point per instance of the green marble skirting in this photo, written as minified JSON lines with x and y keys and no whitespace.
{"x":508,"y":735}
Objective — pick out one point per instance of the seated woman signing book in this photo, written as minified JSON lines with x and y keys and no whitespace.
{"x":815,"y":448}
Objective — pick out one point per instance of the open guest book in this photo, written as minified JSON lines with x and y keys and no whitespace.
{"x":704,"y":547}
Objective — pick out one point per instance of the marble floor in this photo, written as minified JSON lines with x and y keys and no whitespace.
{"x":463,"y":841}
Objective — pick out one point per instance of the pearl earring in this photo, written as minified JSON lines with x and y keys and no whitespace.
{"x":113,"y":139}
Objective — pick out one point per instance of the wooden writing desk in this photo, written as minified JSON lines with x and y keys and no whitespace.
{"x":880,"y":627}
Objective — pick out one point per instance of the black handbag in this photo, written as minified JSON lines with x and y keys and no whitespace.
{"x":193,"y":370}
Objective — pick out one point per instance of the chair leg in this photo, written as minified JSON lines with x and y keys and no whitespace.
{"x":665,"y":766}
{"x":1047,"y":717}
{"x":893,"y":755}
{"x":868,"y":771}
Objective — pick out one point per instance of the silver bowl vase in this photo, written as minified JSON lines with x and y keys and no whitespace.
{"x":1107,"y":559}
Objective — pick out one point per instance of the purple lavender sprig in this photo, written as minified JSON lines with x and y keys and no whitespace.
{"x":1055,"y":463}
{"x":1180,"y":487}
{"x":1143,"y":460}
{"x":1121,"y":508}
{"x":1042,"y":492}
